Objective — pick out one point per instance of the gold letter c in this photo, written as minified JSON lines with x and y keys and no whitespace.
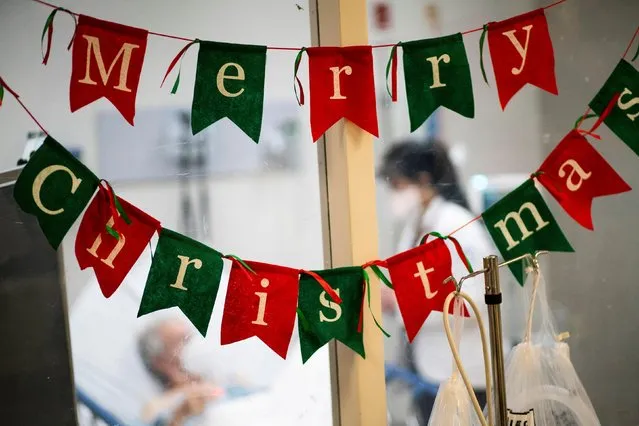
{"x":42,"y":176}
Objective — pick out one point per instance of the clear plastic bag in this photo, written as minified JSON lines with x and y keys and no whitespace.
{"x":541,"y":382}
{"x":453,"y":406}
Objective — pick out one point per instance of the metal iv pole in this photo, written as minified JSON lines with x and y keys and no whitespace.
{"x":493,"y":300}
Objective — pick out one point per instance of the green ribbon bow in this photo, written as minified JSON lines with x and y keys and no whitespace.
{"x":482,"y":40}
{"x":458,"y":247}
{"x":299,"y":93}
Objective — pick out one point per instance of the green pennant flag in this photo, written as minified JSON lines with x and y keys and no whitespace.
{"x":321,"y":319}
{"x":229,"y":82}
{"x":55,"y":187}
{"x":521,"y":223}
{"x":186,"y":274}
{"x":623,"y":119}
{"x":437,"y":74}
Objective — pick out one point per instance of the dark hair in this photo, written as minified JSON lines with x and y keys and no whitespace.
{"x":411,"y":159}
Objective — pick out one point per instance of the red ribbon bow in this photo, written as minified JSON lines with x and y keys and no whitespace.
{"x":326,"y":286}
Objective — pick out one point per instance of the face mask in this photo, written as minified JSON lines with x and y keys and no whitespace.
{"x":405,"y":201}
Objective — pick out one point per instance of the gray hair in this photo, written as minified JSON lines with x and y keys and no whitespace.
{"x":150,"y":346}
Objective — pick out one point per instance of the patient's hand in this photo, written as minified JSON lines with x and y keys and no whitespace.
{"x":202,"y":389}
{"x":195,"y":397}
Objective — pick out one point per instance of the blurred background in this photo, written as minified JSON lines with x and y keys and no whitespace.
{"x":262,"y":202}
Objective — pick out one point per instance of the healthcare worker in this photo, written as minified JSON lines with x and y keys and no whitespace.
{"x":425,"y":197}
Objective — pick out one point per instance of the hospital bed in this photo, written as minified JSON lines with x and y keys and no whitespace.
{"x":92,"y":413}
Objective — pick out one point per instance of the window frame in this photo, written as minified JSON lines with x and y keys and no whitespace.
{"x":349,"y":225}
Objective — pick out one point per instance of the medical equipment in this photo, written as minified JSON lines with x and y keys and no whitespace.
{"x":453,"y":404}
{"x":540,"y":381}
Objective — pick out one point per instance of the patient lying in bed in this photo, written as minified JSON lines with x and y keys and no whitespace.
{"x":185,"y":395}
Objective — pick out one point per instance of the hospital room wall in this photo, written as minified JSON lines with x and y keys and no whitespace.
{"x":273,"y":216}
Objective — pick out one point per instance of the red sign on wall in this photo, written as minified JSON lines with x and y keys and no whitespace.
{"x":382,"y":13}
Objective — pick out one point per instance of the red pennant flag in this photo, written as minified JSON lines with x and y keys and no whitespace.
{"x":107,"y":62}
{"x":521,"y":52}
{"x":342,"y":86}
{"x":418,"y":277}
{"x":261,"y":303}
{"x":575,"y":173}
{"x":111,"y":258}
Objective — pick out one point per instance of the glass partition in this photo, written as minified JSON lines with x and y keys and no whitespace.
{"x":487,"y":157}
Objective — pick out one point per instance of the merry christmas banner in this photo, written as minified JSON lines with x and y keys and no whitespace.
{"x":264,"y":300}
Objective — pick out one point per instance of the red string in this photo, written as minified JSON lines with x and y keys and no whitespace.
{"x":108,"y":190}
{"x":294,"y":49}
{"x":394,"y":77}
{"x":474,"y":30}
{"x":557,"y":3}
{"x":174,"y":62}
{"x":106,"y":187}
{"x":51,"y":5}
{"x":171,"y":36}
{"x":375,"y":46}
{"x":47,"y":52}
{"x":461,"y":254}
{"x":465,"y":225}
{"x":240,"y":265}
{"x":376,"y":262}
{"x":631,"y":42}
{"x":583,"y":117}
{"x":17,"y":98}
{"x":606,"y":112}
{"x":326,"y":286}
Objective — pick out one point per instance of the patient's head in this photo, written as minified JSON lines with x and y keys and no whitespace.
{"x":161,"y":346}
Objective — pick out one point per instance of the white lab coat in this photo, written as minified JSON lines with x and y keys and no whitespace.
{"x":432,"y":355}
